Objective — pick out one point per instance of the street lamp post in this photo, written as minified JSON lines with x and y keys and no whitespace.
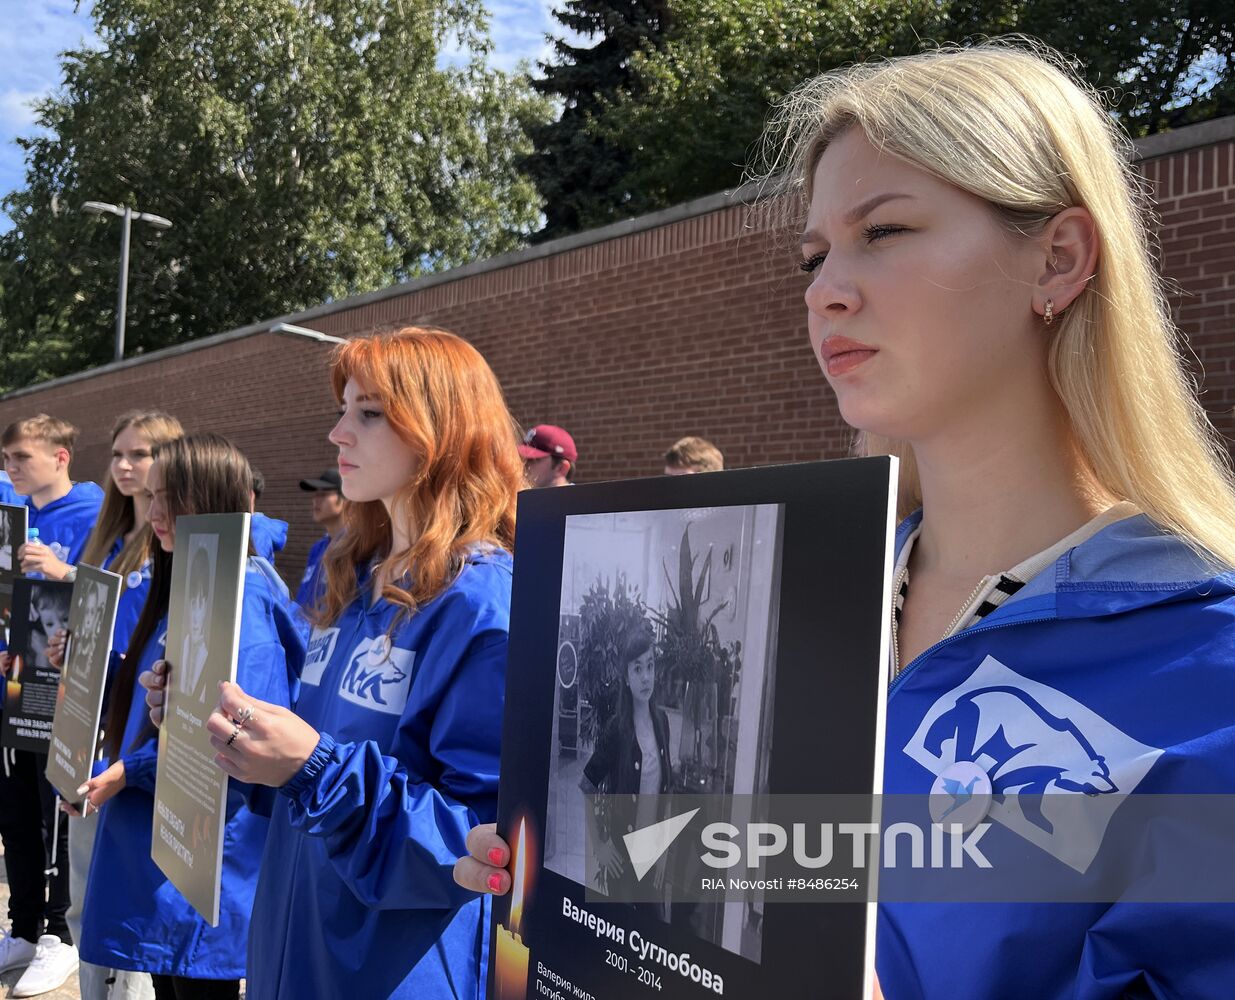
{"x":126,"y":216}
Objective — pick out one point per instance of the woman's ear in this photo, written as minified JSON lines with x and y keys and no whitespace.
{"x":1070,"y":259}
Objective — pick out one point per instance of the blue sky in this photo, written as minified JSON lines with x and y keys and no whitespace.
{"x":34,"y":32}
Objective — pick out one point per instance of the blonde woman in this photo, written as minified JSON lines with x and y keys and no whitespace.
{"x":983,"y":303}
{"x":122,"y":542}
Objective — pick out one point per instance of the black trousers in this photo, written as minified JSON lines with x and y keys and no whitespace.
{"x":179,"y":988}
{"x":38,"y":902}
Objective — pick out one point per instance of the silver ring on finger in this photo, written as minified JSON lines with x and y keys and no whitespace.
{"x":242,"y":717}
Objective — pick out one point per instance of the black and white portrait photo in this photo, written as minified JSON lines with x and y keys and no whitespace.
{"x":189,"y":669}
{"x":49,"y":613}
{"x":93,"y":630}
{"x":665,"y":663}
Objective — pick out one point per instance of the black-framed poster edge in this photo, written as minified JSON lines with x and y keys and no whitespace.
{"x":836,"y":522}
{"x":73,"y":746}
{"x":30,"y":696}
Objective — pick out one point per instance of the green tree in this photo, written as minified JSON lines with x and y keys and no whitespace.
{"x":700,"y":96}
{"x":1166,"y":64}
{"x":580,"y":173}
{"x":305,"y":151}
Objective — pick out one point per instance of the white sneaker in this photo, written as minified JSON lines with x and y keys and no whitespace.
{"x":53,"y":963}
{"x":14,"y":952}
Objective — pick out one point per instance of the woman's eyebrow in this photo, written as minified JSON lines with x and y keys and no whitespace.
{"x":863,"y":209}
{"x":856,"y":214}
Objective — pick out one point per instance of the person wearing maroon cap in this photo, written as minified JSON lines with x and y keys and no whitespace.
{"x":549,"y":456}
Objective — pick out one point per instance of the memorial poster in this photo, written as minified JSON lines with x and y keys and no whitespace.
{"x":40,"y":610}
{"x":712,"y":643}
{"x":83,"y":679}
{"x":203,"y":637}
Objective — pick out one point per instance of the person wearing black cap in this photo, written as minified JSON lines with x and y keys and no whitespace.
{"x":327,"y":490}
{"x":549,"y":456}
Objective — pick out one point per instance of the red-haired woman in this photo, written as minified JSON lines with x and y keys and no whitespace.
{"x":391,"y":753}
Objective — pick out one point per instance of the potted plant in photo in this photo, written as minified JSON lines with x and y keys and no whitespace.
{"x":604,"y":617}
{"x":690,"y":654}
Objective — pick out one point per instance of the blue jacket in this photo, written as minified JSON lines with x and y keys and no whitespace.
{"x":133,"y":918}
{"x":65,"y":524}
{"x":268,"y":535}
{"x":1112,"y":670}
{"x":356,"y":896}
{"x":134,"y":589}
{"x":7,"y":493}
{"x":313,"y":578}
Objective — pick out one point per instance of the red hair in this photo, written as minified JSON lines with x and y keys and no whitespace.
{"x":442,"y":398}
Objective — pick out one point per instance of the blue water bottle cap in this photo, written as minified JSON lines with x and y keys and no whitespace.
{"x":32,"y":534}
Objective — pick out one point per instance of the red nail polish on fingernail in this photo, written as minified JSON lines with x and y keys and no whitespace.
{"x":497,"y":856}
{"x":495,"y":882}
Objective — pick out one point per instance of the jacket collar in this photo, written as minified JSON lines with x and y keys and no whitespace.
{"x":1130,"y":564}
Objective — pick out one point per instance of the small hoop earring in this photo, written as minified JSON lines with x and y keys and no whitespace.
{"x":1048,"y":312}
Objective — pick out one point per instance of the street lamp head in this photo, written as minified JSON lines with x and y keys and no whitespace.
{"x":101,"y":208}
{"x":127,"y":215}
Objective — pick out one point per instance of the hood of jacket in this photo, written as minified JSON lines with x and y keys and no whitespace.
{"x":81,"y":498}
{"x":268,"y":535}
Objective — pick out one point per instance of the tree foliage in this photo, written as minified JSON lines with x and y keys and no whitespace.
{"x":579,"y":171}
{"x":699,"y":97}
{"x":304,"y":150}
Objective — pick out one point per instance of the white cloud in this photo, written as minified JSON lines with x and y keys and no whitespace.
{"x":518,"y":28}
{"x":520,"y":31}
{"x":30,"y":67}
{"x":17,"y":110}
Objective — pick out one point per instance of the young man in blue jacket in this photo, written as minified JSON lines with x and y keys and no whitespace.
{"x":37,"y":454}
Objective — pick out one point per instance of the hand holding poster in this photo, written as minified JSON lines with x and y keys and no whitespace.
{"x":203,"y":636}
{"x":720,"y":641}
{"x":83,"y":678}
{"x":40,"y":610}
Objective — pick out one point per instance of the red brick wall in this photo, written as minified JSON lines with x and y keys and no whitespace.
{"x":267,"y":393}
{"x":697,"y":327}
{"x":692,"y":327}
{"x":1195,"y":196}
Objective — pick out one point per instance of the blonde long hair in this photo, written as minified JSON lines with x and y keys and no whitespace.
{"x":116,"y":517}
{"x":1008,"y":122}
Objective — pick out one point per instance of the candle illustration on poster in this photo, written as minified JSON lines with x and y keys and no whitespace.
{"x":512,"y":953}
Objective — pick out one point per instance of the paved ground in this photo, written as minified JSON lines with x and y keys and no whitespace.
{"x":66,"y":992}
{"x":69,"y":990}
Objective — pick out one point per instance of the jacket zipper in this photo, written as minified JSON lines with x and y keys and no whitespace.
{"x":947,"y":633}
{"x":917,"y":660}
